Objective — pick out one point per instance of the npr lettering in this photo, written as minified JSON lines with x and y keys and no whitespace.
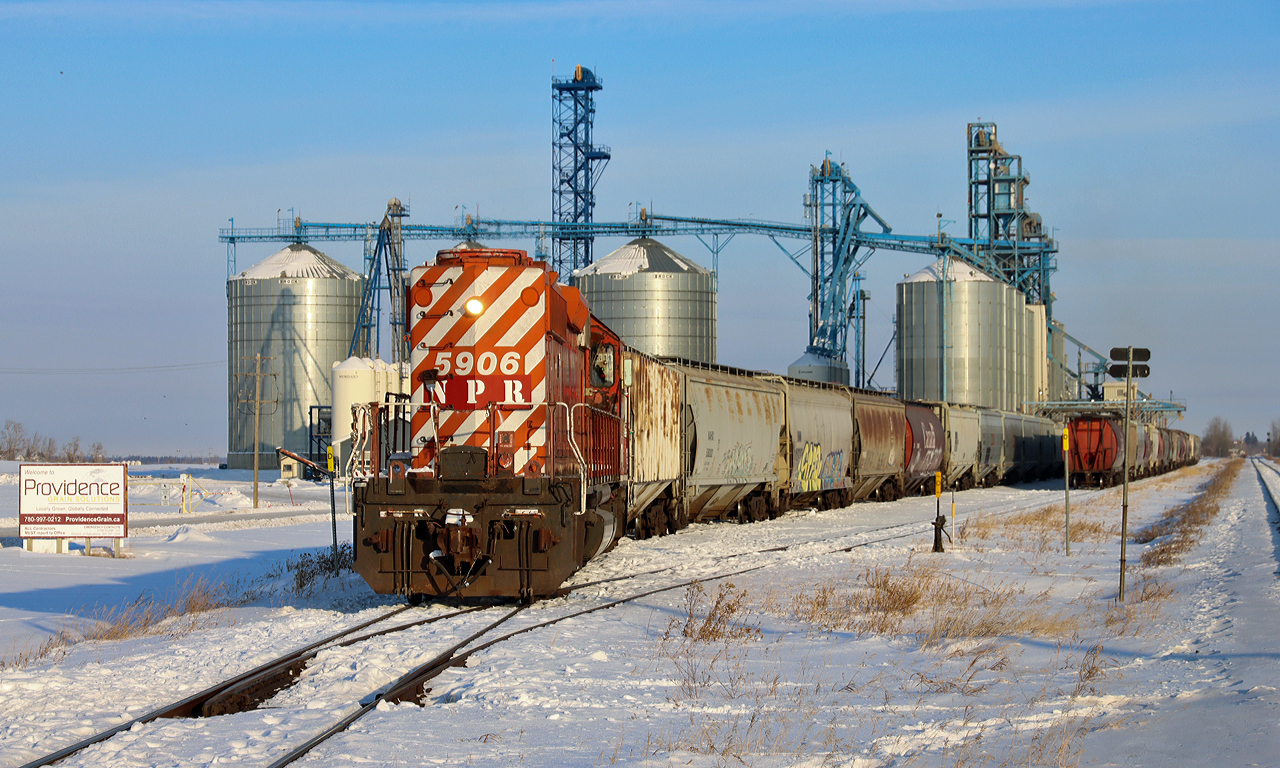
{"x":475,"y":392}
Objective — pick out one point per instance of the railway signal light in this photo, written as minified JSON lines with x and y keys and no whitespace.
{"x":1121,"y":371}
{"x":1121,"y":354}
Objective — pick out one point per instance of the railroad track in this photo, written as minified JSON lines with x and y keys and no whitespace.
{"x":1258,"y":464}
{"x":247,"y":690}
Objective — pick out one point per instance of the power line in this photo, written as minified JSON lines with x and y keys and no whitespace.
{"x":138,"y":369}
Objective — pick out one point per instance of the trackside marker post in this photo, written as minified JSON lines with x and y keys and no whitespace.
{"x":1066,"y":482}
{"x":938,"y":521}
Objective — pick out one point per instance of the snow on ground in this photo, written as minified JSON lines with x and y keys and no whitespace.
{"x":1005,"y":650}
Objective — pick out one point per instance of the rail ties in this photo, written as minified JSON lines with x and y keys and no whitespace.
{"x":192,"y":705}
{"x":412,"y":685}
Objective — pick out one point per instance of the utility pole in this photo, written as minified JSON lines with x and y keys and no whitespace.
{"x":257,"y":403}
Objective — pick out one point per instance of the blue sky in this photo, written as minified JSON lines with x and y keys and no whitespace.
{"x":133,"y":130}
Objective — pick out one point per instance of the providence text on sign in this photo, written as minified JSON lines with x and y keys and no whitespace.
{"x":73,"y":501}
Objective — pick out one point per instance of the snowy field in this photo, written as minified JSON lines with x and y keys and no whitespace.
{"x":1002,"y":651}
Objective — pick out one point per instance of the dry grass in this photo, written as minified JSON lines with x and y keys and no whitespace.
{"x":921,"y":601}
{"x":1040,"y":530}
{"x":307,"y":572}
{"x":192,"y":605}
{"x":1181,"y":528}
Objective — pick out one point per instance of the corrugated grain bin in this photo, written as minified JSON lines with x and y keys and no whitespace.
{"x":655,"y":299}
{"x":297,"y":309}
{"x":988,"y":359}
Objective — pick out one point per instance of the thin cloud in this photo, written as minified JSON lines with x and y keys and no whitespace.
{"x":379,"y":13}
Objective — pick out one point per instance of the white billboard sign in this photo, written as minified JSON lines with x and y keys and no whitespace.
{"x":73,"y":501}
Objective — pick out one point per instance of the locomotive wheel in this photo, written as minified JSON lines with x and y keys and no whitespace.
{"x":679,"y":513}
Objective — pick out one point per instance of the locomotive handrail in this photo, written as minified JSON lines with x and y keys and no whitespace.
{"x":366,"y":436}
{"x":577,"y":452}
{"x":364,"y":428}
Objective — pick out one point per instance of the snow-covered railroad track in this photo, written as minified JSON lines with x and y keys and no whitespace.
{"x":1272,"y":473}
{"x":192,"y":705}
{"x":413,"y":685}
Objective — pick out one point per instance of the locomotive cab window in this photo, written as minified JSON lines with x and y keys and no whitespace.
{"x":602,"y":366}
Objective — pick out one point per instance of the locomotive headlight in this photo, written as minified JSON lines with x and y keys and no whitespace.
{"x":473,"y":306}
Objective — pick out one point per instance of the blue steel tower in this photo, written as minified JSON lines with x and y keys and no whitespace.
{"x":576,"y":166}
{"x":836,"y":213}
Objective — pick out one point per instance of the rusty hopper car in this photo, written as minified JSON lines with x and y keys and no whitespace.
{"x":880,"y":429}
{"x":1098,"y":447}
{"x":652,"y":394}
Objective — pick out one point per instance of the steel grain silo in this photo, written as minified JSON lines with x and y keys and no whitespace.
{"x":992,"y":354}
{"x":658,"y":301}
{"x":298,"y":310}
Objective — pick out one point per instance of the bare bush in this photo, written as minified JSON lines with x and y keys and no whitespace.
{"x":311,"y":570}
{"x":1218,"y":437}
{"x":71,"y":451}
{"x":13,"y":440}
